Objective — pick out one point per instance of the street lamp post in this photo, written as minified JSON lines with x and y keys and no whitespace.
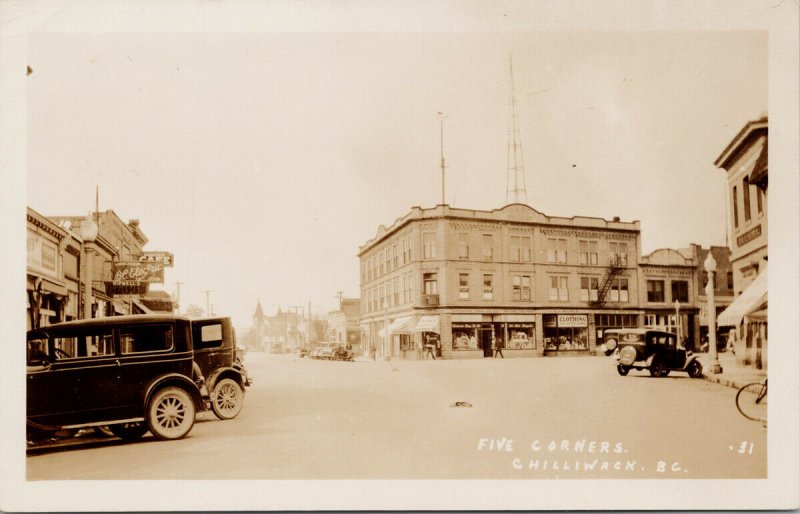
{"x":88,"y":232}
{"x":678,"y":324}
{"x":710,"y":264}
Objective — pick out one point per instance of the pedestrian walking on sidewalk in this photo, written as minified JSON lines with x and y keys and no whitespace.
{"x":498,"y":348}
{"x":430,"y":347}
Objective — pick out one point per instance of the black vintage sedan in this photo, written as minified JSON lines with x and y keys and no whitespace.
{"x":657,"y":351}
{"x":130,"y":373}
{"x":221,"y":362}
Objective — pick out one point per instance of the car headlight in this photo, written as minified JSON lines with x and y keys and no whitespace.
{"x":611,"y":344}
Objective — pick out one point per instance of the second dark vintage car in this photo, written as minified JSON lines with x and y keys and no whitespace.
{"x":221,"y":362}
{"x":657,"y":351}
{"x":130,"y":373}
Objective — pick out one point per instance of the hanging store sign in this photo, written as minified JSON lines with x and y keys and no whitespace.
{"x":165,"y":258}
{"x":149,"y":272}
{"x":572,"y":320}
{"x":126,"y":289}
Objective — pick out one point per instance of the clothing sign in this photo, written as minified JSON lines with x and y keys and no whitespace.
{"x":572,"y":320}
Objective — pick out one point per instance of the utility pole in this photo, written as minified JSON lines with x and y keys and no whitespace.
{"x":339,"y":296}
{"x":178,"y":295}
{"x":208,"y":301}
{"x":442,"y":117}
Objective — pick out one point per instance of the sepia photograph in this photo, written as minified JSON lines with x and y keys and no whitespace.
{"x":399,"y":255}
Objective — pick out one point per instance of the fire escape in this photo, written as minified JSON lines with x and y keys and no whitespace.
{"x":615,"y":267}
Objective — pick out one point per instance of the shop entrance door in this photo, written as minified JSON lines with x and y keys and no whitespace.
{"x":486,"y":341}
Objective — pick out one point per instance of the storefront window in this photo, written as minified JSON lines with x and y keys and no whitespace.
{"x":520,"y":336}
{"x":565,"y":332}
{"x":465,"y":336}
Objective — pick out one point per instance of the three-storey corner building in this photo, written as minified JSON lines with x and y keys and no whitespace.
{"x":473,"y":280}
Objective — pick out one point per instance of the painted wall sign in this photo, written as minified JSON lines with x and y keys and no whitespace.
{"x":749,"y":236}
{"x":148,"y":272}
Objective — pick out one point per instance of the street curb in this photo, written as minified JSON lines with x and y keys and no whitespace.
{"x":722,"y":381}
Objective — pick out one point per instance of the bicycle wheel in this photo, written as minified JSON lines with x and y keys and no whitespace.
{"x":751,"y":400}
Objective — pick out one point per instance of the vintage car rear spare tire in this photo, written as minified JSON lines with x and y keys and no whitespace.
{"x":627,"y":356}
{"x":170,"y":414}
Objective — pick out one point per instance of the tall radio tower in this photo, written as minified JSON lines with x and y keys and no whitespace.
{"x":515,"y":173}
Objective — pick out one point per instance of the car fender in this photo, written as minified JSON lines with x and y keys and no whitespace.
{"x":689,"y":360}
{"x":226,"y":372}
{"x":175,"y":379}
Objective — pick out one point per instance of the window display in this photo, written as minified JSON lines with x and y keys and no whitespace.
{"x":520,"y":336}
{"x":465,"y":336}
{"x":565,"y":332}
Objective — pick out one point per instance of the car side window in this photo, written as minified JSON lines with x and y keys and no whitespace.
{"x":83,"y":343}
{"x":145,"y":338}
{"x":210,"y":336}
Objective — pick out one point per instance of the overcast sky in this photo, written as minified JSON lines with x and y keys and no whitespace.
{"x":263,"y":161}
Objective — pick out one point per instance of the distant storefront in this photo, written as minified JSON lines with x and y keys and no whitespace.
{"x":566,"y":332}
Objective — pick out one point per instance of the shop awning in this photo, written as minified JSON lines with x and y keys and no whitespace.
{"x":402,"y":325}
{"x":139,"y":305}
{"x":759,"y":316}
{"x":753,"y":299}
{"x":428,"y":324}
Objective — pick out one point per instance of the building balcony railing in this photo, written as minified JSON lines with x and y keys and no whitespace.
{"x":430,"y":299}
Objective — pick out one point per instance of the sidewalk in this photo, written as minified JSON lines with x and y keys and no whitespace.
{"x":733,"y":374}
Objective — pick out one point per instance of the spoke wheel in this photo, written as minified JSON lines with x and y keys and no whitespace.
{"x":227,"y":399}
{"x":695,"y":369}
{"x":170,"y":414}
{"x":129,"y":431}
{"x":657,"y":368}
{"x":751,"y":400}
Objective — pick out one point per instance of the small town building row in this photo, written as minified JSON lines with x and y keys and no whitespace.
{"x":746,"y":163}
{"x":69,"y":270}
{"x":471,"y":280}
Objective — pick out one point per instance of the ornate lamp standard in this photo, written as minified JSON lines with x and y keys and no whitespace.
{"x":711,"y":267}
{"x":88,"y":234}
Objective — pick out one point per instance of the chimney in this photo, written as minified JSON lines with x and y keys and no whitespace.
{"x":616,"y":218}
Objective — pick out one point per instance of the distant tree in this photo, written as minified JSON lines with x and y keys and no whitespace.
{"x":195,"y":311}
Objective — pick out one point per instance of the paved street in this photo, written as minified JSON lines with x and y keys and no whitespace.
{"x":529,"y":418}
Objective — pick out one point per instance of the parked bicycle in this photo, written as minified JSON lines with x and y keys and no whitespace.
{"x":751,"y":400}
